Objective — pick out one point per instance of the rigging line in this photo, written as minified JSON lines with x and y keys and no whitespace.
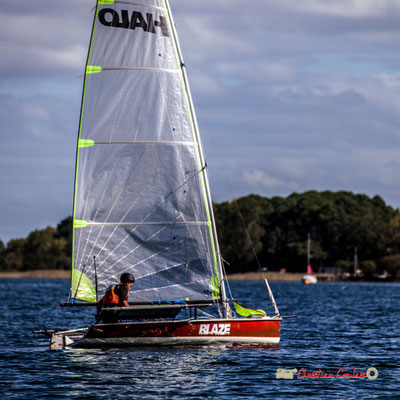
{"x":173,"y":192}
{"x":209,"y":237}
{"x":226,"y":280}
{"x":164,"y":107}
{"x":79,"y":239}
{"x":182,"y":167}
{"x":232,"y":196}
{"x":213,"y":237}
{"x":79,"y":282}
{"x":187,"y":113}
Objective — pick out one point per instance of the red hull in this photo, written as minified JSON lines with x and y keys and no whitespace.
{"x":193,"y":332}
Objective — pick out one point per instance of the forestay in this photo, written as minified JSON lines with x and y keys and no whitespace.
{"x":141,"y":194}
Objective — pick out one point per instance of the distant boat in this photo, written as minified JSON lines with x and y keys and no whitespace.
{"x":142,"y":202}
{"x":309,"y":279}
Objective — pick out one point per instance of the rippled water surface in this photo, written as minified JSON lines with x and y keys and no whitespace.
{"x":338,"y":325}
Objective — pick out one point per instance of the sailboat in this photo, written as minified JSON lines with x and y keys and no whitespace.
{"x":142,"y":201}
{"x":309,"y":279}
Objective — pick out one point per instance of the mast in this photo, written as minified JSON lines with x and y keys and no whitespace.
{"x":308,"y":251}
{"x":355,"y":266}
{"x":215,"y":245}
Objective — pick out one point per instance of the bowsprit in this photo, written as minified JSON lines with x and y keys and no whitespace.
{"x":110,"y":17}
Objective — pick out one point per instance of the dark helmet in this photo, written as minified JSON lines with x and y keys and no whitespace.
{"x":127,"y":277}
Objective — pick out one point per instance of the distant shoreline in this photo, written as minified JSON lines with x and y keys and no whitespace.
{"x":66,"y":274}
{"x":247,"y":276}
{"x":37,"y":274}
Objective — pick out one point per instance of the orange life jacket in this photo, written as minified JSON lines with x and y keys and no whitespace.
{"x":110,"y":297}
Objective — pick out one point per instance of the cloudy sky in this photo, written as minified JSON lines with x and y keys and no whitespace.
{"x":290,"y":96}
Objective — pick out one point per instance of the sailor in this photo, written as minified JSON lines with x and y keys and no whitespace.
{"x":116,"y":296}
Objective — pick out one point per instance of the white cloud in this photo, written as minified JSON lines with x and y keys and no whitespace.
{"x":36,"y":111}
{"x":257,"y":179}
{"x":296,"y":96}
{"x":346,"y":8}
{"x":39,"y":42}
{"x":260,"y":70}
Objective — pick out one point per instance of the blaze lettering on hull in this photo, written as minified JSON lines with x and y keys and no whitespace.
{"x":215,"y":329}
{"x":110,"y":17}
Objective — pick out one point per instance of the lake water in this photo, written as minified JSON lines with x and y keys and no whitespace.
{"x":340,"y":328}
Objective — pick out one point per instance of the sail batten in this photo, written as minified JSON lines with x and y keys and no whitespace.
{"x":142,"y":202}
{"x":143,"y":142}
{"x":145,"y":223}
{"x":174,"y":71}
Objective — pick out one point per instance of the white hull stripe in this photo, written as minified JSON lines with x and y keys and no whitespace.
{"x":174,"y":341}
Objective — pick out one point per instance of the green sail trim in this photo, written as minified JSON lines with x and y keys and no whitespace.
{"x":80,"y":223}
{"x":215,"y":287}
{"x":82,"y":288}
{"x":85,"y":143}
{"x":93,"y":69}
{"x":248,"y":312}
{"x":106,"y":1}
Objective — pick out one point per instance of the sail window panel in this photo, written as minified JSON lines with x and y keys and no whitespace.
{"x":139,"y":183}
{"x":135,"y":106}
{"x":168,"y":262}
{"x":116,"y":47}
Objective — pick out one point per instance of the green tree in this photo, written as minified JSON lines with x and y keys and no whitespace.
{"x":14,"y":255}
{"x":277,"y":228}
{"x":391,"y":264}
{"x":369,"y":268}
{"x":44,"y":250}
{"x":64,"y":230}
{"x":2,"y":256}
{"x":240,"y":232}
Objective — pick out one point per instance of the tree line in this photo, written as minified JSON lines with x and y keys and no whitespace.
{"x":336,"y":221}
{"x":271,"y":233}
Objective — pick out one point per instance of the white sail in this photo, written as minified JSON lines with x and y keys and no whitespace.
{"x":141,"y":193}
